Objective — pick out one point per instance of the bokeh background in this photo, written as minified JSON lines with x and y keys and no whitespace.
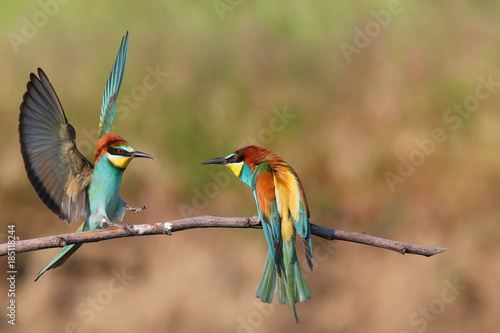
{"x":345,"y":91}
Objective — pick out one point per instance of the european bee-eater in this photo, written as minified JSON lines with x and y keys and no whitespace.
{"x":283,"y":210}
{"x":66,"y":182}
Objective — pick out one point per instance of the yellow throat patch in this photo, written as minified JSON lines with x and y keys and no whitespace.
{"x":236,"y":168}
{"x":121,"y":162}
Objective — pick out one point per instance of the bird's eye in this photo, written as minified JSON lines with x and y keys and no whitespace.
{"x":119,"y":151}
{"x":234,"y":158}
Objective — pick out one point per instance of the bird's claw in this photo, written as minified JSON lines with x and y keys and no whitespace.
{"x":136,"y":209}
{"x":113,"y":224}
{"x":126,"y":228}
{"x":118,"y":225}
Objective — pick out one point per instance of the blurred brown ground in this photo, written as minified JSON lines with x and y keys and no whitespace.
{"x":353,"y":121}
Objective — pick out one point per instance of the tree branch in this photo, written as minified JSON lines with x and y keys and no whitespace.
{"x":206,"y":221}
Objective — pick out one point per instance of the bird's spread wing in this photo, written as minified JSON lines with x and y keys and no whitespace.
{"x":59,"y":173}
{"x":108,"y":108}
{"x":265,"y":196}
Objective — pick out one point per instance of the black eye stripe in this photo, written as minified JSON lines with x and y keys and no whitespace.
{"x":118,"y":151}
{"x":234,"y":159}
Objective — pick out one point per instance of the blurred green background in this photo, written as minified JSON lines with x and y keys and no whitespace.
{"x":348,"y":93}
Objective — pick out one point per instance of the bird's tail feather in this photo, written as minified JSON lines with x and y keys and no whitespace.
{"x":267,"y":286}
{"x":63,"y":255}
{"x":289,"y":287}
{"x":295,"y":288}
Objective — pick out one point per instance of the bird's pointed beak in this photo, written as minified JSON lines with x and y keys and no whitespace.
{"x":218,"y":160}
{"x":141,"y":154}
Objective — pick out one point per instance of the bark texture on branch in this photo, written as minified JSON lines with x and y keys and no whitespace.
{"x":207,"y":221}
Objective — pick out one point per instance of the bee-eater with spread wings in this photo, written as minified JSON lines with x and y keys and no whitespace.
{"x":283,"y":211}
{"x":66,"y":182}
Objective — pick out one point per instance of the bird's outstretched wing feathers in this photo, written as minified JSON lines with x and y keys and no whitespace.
{"x":59,"y":173}
{"x":108,"y":108}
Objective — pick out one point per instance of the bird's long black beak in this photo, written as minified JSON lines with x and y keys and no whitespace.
{"x":218,"y":160}
{"x":141,"y":154}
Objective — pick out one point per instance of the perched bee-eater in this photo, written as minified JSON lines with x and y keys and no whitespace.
{"x":66,"y":182}
{"x":283,"y":210}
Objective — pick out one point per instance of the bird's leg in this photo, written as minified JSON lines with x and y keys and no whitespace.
{"x":109,"y":223}
{"x":116,"y":225}
{"x":135,"y":209}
